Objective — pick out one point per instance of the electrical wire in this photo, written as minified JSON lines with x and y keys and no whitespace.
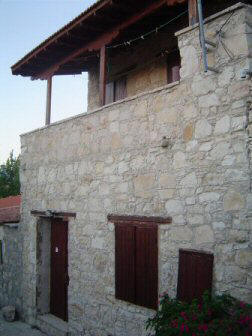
{"x":220,"y":38}
{"x":226,"y":22}
{"x":142,"y":37}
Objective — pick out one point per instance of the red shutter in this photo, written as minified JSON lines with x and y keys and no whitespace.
{"x":185,"y":288}
{"x":120,"y":89}
{"x":204,"y":273}
{"x":146,"y":259}
{"x":194,"y":275}
{"x":124,"y":262}
{"x":109,"y":96}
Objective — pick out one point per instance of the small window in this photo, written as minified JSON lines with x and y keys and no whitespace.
{"x":173,"y":67}
{"x":136,"y":263}
{"x":116,"y":90}
{"x":194,"y":275}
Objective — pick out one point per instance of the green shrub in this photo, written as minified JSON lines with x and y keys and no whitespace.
{"x":218,"y":316}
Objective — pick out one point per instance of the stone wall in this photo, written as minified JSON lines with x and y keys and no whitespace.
{"x":111,"y":161}
{"x":10,"y":278}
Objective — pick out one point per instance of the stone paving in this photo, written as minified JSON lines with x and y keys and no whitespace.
{"x":18,"y":328}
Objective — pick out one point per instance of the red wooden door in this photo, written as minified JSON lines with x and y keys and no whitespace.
{"x":59,"y":272}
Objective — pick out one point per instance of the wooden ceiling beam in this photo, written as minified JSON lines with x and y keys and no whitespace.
{"x":123,"y":8}
{"x":62,"y":32}
{"x":106,"y":18}
{"x":105,"y":38}
{"x":96,"y":45}
{"x":65,"y":44}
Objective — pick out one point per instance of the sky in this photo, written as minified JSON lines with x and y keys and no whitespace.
{"x":23,"y":25}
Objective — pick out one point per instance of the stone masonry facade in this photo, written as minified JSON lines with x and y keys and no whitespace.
{"x":10,"y":266}
{"x":111,"y":161}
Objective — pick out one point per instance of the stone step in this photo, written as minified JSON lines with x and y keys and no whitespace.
{"x":52,"y":325}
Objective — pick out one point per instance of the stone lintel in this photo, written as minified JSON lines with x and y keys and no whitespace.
{"x":145,"y":219}
{"x":53,"y":214}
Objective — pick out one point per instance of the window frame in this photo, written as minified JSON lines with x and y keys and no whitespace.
{"x":114,"y":92}
{"x":173,"y":61}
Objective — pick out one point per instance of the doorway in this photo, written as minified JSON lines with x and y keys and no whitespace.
{"x":59,"y":268}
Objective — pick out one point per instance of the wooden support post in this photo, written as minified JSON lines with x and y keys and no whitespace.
{"x":48,"y":100}
{"x":193,"y":14}
{"x":102,"y":75}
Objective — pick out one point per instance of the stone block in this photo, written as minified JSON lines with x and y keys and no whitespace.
{"x":238,"y":123}
{"x":204,"y":234}
{"x":220,"y":150}
{"x":168,"y":115}
{"x":116,"y":141}
{"x":174,"y":207}
{"x":180,"y":234}
{"x":209,"y":197}
{"x":9,"y":313}
{"x":238,"y":236}
{"x":189,"y":112}
{"x":243,"y":258}
{"x":202,"y":129}
{"x":225,"y":76}
{"x":191,"y":145}
{"x":219,"y":225}
{"x":167,"y":181}
{"x":97,"y":243}
{"x":205,"y":147}
{"x":238,"y":89}
{"x":166,"y":193}
{"x":202,"y":87}
{"x":195,"y":219}
{"x":188,"y":132}
{"x":179,"y":160}
{"x":190,"y":61}
{"x":143,"y":183}
{"x":189,"y":180}
{"x":209,"y":100}
{"x":234,"y":274}
{"x":233,"y":201}
{"x":222,"y":125}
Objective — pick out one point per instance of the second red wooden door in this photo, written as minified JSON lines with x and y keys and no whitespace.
{"x":59,"y":271}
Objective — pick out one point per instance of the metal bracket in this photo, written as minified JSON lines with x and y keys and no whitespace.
{"x":211,"y":43}
{"x":203,"y":40}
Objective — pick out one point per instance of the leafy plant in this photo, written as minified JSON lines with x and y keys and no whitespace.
{"x":9,"y":177}
{"x":218,"y":316}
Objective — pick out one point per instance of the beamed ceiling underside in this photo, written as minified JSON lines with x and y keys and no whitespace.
{"x":108,"y":22}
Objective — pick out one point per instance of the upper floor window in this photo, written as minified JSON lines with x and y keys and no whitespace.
{"x":173,"y":67}
{"x":116,"y":90}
